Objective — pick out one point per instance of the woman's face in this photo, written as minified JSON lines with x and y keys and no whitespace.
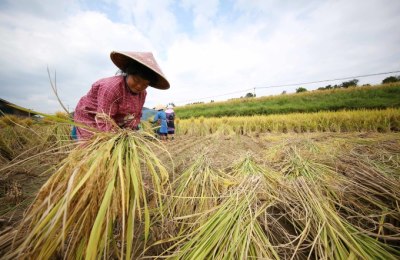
{"x":136,"y":83}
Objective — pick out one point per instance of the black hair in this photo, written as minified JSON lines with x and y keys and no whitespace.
{"x":142,"y":71}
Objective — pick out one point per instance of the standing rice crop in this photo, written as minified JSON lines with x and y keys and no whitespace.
{"x":387,"y":120}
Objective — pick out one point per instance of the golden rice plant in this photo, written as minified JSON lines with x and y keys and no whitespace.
{"x":197,"y":189}
{"x":247,"y":166}
{"x":27,"y":122}
{"x":98,"y":204}
{"x":146,"y":127}
{"x":323,"y":232}
{"x":5,"y":151}
{"x":336,"y":214}
{"x":336,"y":121}
{"x":57,"y":135}
{"x":9,"y":119}
{"x":63,"y":115}
{"x":232,"y":231}
{"x":177,"y":123}
{"x":224,"y":130}
{"x":17,"y":138}
{"x":372,"y":191}
{"x":2,"y":124}
{"x":194,"y":126}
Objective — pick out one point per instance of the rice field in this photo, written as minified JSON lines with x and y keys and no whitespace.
{"x":386,"y":120}
{"x":222,"y":189}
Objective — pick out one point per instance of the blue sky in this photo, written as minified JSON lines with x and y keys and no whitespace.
{"x":205,"y":48}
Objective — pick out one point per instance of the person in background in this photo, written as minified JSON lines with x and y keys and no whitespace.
{"x":117,"y":102}
{"x":73,"y":134}
{"x":161,"y":119}
{"x":170,"y":121}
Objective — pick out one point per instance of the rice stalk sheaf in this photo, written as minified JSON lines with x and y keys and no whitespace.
{"x":340,"y":211}
{"x":232,"y":230}
{"x":98,"y":204}
{"x":308,"y":200}
{"x":198,"y":188}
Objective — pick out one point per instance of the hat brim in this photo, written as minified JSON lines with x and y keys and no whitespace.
{"x":159,"y":108}
{"x":122,"y":60}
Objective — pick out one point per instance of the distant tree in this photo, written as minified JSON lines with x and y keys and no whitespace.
{"x":366,"y":85}
{"x":249,"y":95}
{"x":321,"y":88}
{"x":328,"y":87}
{"x":300,"y":89}
{"x":391,"y":79}
{"x":172,"y":104}
{"x":283,"y":92}
{"x":212,"y":101}
{"x":351,"y":83}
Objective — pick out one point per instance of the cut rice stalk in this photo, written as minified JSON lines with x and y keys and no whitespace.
{"x":98,"y":197}
{"x":232,"y":231}
{"x":332,"y":236}
{"x":198,"y":189}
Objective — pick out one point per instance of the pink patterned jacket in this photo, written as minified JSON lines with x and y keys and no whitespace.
{"x":110,"y":96}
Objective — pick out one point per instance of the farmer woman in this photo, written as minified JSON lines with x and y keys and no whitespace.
{"x":161,"y":119}
{"x":170,"y":121}
{"x":118,"y":101}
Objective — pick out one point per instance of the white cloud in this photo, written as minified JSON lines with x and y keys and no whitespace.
{"x":77,"y":48}
{"x":204,"y":12}
{"x":153,"y":18}
{"x":335,"y":39}
{"x":205,"y":48}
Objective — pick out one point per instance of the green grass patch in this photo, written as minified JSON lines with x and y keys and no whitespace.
{"x":372,"y":97}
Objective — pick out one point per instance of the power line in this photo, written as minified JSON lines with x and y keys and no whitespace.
{"x":327,"y":80}
{"x":292,"y":84}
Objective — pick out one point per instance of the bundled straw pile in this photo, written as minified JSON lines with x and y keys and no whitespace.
{"x":97,"y":204}
{"x":302,"y":199}
{"x":298,"y":207}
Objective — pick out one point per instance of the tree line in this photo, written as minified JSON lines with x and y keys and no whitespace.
{"x":351,"y":83}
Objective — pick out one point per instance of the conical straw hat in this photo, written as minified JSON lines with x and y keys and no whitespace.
{"x":159,"y":107}
{"x":122,"y":58}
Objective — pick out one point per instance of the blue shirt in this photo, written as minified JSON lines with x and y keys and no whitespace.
{"x":163,"y":121}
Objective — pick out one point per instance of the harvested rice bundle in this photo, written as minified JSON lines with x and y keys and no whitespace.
{"x":320,"y":203}
{"x":97,"y":204}
{"x":373,"y":192}
{"x":323,"y":232}
{"x":336,"y":214}
{"x":5,"y":151}
{"x":247,"y":166}
{"x":195,"y":194}
{"x":197,"y":189}
{"x":272,"y":219}
{"x":58,"y":134}
{"x":232,"y":231}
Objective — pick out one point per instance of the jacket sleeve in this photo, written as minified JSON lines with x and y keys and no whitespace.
{"x":107,"y":107}
{"x":156,"y":117}
{"x":133,"y":124}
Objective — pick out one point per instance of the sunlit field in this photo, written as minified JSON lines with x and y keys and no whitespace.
{"x":336,"y":99}
{"x":295,"y":186}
